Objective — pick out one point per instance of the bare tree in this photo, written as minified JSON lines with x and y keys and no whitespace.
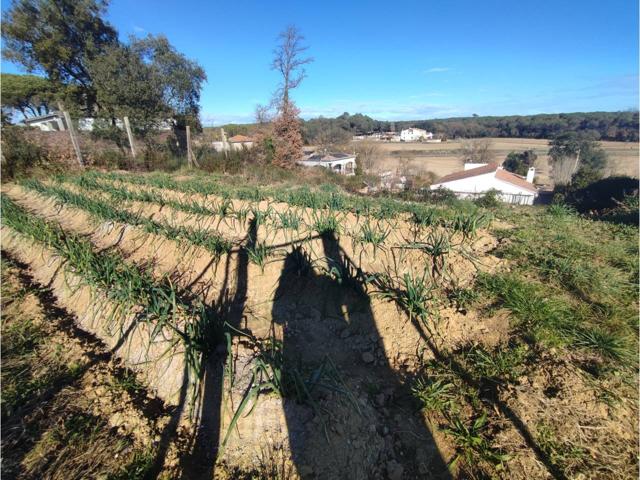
{"x":289,"y":60}
{"x":476,"y":151}
{"x":368,"y":153}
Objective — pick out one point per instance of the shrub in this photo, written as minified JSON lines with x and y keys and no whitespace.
{"x":488,"y":200}
{"x":112,"y":159}
{"x":19,"y":155}
{"x":602,"y":194}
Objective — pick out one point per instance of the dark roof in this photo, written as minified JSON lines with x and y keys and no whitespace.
{"x":47,"y":116}
{"x":499,"y":173}
{"x":474,"y":172}
{"x":328,"y":157}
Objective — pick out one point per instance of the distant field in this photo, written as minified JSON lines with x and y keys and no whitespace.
{"x":444,"y":158}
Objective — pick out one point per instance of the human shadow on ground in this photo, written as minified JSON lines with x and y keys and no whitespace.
{"x":230,"y":305}
{"x":362,"y":421}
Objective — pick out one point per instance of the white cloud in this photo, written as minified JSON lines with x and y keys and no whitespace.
{"x":437,"y":70}
{"x":212,"y":119}
{"x":138,"y":29}
{"x":382,"y":110}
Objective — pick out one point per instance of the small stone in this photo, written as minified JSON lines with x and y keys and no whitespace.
{"x":380,"y":399}
{"x":345,"y":333}
{"x":367,"y":357}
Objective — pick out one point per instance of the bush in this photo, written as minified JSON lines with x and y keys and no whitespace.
{"x":488,"y":200}
{"x":603,"y":194}
{"x":19,"y":156}
{"x":111,"y":159}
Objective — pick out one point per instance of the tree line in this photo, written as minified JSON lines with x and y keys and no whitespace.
{"x":620,"y":126}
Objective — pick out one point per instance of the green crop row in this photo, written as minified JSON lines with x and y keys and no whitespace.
{"x":165,"y":307}
{"x":104,"y":211}
{"x":421,"y":215}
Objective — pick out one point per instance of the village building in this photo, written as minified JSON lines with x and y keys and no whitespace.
{"x":415,"y":135}
{"x":55,"y":121}
{"x":342,"y":163}
{"x":51,"y":122}
{"x":480,"y":178}
{"x":238,"y":142}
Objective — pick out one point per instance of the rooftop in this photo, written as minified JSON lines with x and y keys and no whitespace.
{"x":240,"y":139}
{"x":327,"y":157}
{"x":494,"y":168}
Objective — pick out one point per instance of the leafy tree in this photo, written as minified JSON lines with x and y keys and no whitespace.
{"x":29,"y":94}
{"x":179,"y":79}
{"x":520,"y":162}
{"x":126,"y":86}
{"x":58,"y":38}
{"x":585,"y":176}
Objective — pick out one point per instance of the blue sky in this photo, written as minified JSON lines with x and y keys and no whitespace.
{"x":405,"y":60}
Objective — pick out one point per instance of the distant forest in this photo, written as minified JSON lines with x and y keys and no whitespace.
{"x":620,"y":126}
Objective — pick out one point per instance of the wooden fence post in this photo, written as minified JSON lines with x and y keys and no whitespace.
{"x":127,"y":126}
{"x":191,"y":159}
{"x":74,"y":138}
{"x":189,"y":147}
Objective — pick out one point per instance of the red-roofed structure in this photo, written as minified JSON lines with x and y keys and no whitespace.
{"x":475,"y":182}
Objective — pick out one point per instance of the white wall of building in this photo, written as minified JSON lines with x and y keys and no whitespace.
{"x":415,"y":134}
{"x":472,"y":187}
{"x":345,"y":166}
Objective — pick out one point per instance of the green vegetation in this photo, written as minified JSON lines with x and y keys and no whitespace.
{"x":166,"y":308}
{"x":562,"y":297}
{"x":104,"y":211}
{"x":47,"y":426}
{"x":621,"y":126}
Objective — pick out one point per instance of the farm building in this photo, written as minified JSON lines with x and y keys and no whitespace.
{"x":479,"y":178}
{"x":415,"y":134}
{"x":237,"y":142}
{"x":51,"y":122}
{"x":342,"y":163}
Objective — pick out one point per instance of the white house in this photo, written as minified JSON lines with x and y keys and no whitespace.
{"x":50,"y":122}
{"x":479,"y":178}
{"x":54,"y":121}
{"x":342,"y":163}
{"x":415,"y":134}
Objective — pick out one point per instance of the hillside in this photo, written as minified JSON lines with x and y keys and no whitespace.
{"x":199,"y":325}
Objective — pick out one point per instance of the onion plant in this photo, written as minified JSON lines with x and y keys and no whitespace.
{"x":164,"y":307}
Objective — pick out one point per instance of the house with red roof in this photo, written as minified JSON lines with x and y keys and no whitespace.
{"x":477,"y":179}
{"x":237,"y":142}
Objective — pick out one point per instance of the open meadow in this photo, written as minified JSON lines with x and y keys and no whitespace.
{"x":208,"y":329}
{"x":444,"y":158}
